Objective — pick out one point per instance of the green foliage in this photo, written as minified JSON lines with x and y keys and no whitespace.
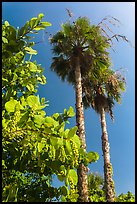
{"x":20,"y":77}
{"x":97,"y":190}
{"x":128,"y":197}
{"x":35,"y":146}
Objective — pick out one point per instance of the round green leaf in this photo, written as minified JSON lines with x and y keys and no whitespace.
{"x":10,"y":105}
{"x":73,"y":175}
{"x":92,"y":156}
{"x":77,"y":141}
{"x":33,"y":100}
{"x":38,"y":119}
{"x":7,"y":23}
{"x":41,"y":15}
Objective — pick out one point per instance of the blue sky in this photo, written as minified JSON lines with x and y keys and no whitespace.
{"x":61,"y":95}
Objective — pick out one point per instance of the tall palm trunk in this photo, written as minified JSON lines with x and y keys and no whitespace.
{"x":109,"y":183}
{"x":82,"y":170}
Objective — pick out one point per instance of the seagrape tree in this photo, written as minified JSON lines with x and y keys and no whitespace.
{"x":34,"y":146}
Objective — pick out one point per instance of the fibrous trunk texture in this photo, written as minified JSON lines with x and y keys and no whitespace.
{"x":82,"y":170}
{"x":109,"y":183}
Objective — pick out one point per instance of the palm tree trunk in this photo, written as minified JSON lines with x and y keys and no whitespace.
{"x":82,"y":170}
{"x":109,"y":183}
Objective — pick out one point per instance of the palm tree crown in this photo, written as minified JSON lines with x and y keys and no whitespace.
{"x":103,"y":89}
{"x":82,"y":40}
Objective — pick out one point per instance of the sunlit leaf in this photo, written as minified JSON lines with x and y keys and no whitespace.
{"x":38,"y":119}
{"x":10,"y":105}
{"x":41,"y":15}
{"x":72,"y":175}
{"x":71,"y":112}
{"x":30,"y":51}
{"x":72,"y":131}
{"x":33,"y":100}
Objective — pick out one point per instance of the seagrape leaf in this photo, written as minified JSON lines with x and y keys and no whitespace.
{"x":43,"y":80}
{"x":24,"y":29}
{"x":24,"y":119}
{"x":38,"y":119}
{"x":66,"y":133}
{"x":53,"y":140}
{"x":4,"y":124}
{"x":41,"y":15}
{"x":67,"y":147}
{"x":60,"y":177}
{"x":4,"y":40}
{"x":40,"y":27}
{"x":23,"y":101}
{"x":43,"y":100}
{"x":40,"y":146}
{"x":51,"y":121}
{"x":72,"y":131}
{"x":10,"y":105}
{"x":55,"y":116}
{"x":47,"y":130}
{"x":62,"y":168}
{"x":92,"y":156}
{"x":33,"y":101}
{"x":33,"y":22}
{"x":46,"y":24}
{"x":77,"y":141}
{"x":60,"y":128}
{"x":18,"y":106}
{"x":65,"y":111}
{"x":30,"y":87}
{"x":39,"y":79}
{"x":7,"y":23}
{"x":72,"y":175}
{"x":71,"y":112}
{"x":60,"y":142}
{"x":64,"y":190}
{"x":30,"y":51}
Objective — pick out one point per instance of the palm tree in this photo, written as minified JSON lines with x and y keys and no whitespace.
{"x":96,"y":187}
{"x":100,"y":95}
{"x":78,"y":47}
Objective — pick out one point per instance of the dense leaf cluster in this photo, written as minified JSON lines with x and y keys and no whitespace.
{"x":35,"y":146}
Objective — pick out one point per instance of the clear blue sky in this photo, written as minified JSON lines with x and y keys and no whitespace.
{"x":61,"y":95}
